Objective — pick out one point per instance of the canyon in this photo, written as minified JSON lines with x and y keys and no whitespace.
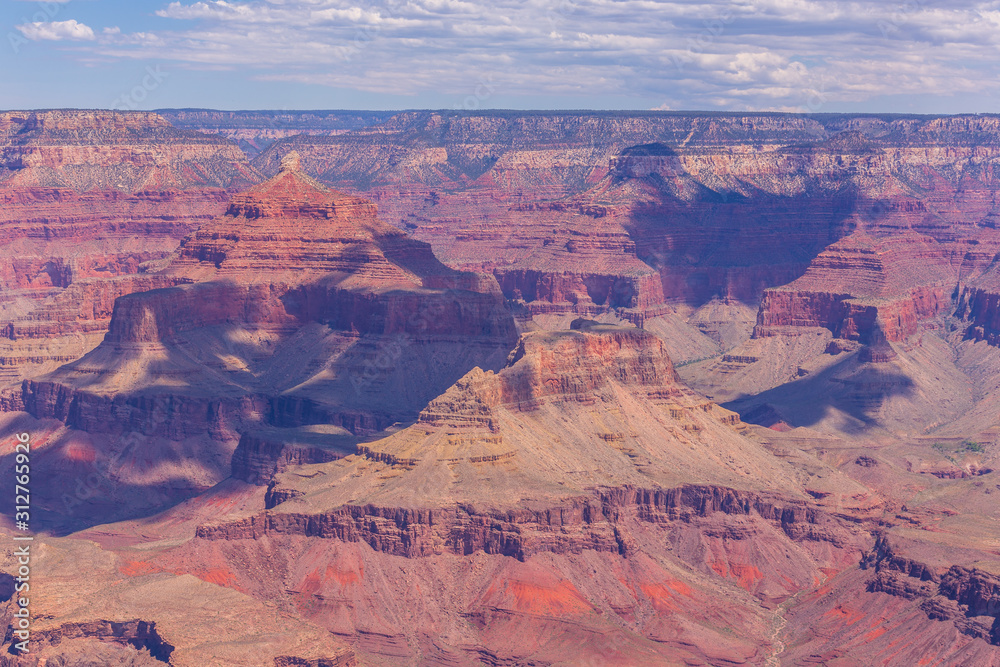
{"x":503,"y":388}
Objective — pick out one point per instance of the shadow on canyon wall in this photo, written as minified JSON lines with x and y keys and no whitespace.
{"x":154,"y":413}
{"x":807,"y":401}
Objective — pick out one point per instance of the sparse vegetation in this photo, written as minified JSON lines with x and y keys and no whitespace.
{"x":967,"y":447}
{"x":945,"y":451}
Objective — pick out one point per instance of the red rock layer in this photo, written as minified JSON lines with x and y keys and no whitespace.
{"x":425,"y":546}
{"x":715,"y":206}
{"x":782,"y":310}
{"x":290,"y":259}
{"x":92,"y":196}
{"x":565,"y":366}
{"x":582,"y":578}
{"x":578,"y":256}
{"x":894,"y":282}
{"x":85,"y":306}
{"x":583,"y":525}
{"x":114,"y":150}
{"x":980,"y":306}
{"x":899,"y":610}
{"x":261,"y":455}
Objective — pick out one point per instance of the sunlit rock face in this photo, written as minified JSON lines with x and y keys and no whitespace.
{"x":87,"y":200}
{"x":298,"y":306}
{"x":748,"y":414}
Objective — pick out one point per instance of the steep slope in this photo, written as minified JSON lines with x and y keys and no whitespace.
{"x":577,"y":212}
{"x":113,"y":150}
{"x":89,"y":197}
{"x":581,"y":504}
{"x":254,"y":131}
{"x":296,"y":307}
{"x":580,"y":498}
{"x":124,"y":615}
{"x":480,"y":189}
{"x":572,"y":410}
{"x":398,"y":478}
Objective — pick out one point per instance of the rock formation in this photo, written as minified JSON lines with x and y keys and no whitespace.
{"x":125,"y":614}
{"x":682,"y":388}
{"x":588,"y":212}
{"x":296,"y":307}
{"x":87,"y":200}
{"x":581,"y":491}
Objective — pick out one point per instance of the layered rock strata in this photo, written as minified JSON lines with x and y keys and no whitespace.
{"x":583,"y":452}
{"x":713,"y":206}
{"x":89,"y":199}
{"x":298,"y":306}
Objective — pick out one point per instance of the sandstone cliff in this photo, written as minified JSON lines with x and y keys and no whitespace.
{"x":88,"y":198}
{"x":523,"y":495}
{"x":296,"y":307}
{"x":714,"y":205}
{"x":410,"y":476}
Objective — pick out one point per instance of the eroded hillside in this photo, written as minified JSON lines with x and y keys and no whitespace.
{"x":505,"y":388}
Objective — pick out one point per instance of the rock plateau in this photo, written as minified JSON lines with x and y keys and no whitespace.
{"x":503,"y":388}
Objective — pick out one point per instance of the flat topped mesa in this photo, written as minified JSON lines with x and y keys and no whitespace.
{"x":599,"y":407}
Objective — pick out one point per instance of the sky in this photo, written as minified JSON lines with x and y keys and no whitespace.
{"x":918,"y":56}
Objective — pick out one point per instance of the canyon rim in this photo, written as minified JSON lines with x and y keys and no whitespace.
{"x":501,"y":388}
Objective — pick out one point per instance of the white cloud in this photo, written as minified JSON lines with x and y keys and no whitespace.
{"x":57,"y":30}
{"x":115,"y":36}
{"x":693,"y":54}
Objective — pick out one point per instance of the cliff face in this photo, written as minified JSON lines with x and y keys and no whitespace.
{"x":536,"y":488}
{"x":850,"y":318}
{"x":863,"y":245}
{"x":566,"y":367}
{"x":111,"y":150}
{"x":897,"y":280}
{"x":263,"y":454}
{"x":619,"y":389}
{"x":410,"y":474}
{"x":585,"y":524}
{"x":87,"y":199}
{"x":580,"y":255}
{"x":154,"y":618}
{"x":255,"y":131}
{"x":980,"y":306}
{"x":622,"y":212}
{"x":558,"y":583}
{"x":298,"y":306}
{"x":945,"y":612}
{"x":517,"y":151}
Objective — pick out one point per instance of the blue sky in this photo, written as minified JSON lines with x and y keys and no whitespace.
{"x":796,"y":55}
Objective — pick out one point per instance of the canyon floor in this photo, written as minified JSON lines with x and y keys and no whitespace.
{"x":501,"y":388}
